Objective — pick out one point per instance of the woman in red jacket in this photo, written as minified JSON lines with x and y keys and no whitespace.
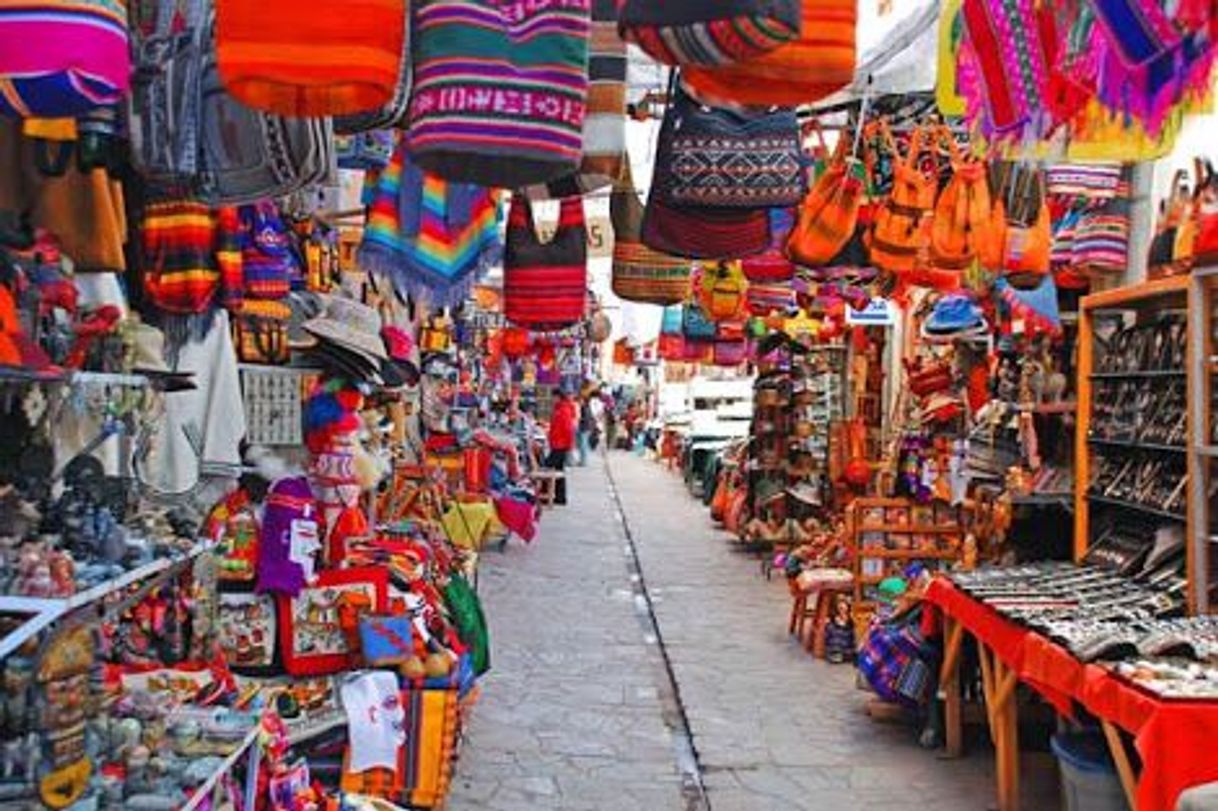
{"x":562,"y":440}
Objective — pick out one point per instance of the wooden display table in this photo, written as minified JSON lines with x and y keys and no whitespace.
{"x":1173,"y":738}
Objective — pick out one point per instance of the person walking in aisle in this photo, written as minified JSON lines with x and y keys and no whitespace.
{"x":583,"y":439}
{"x":562,"y":438}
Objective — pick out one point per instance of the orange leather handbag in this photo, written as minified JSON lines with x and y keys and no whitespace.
{"x":819,"y":63}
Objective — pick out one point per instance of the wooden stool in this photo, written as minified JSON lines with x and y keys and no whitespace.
{"x":799,"y":611}
{"x":826,"y":595}
{"x":546,"y":482}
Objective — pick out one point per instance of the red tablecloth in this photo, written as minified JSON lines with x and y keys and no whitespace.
{"x":1172,"y":737}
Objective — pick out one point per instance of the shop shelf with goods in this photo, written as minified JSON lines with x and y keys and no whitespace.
{"x":1140,"y":464}
{"x":1203,"y":439}
{"x":888,"y":534}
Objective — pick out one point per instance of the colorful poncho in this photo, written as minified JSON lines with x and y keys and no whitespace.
{"x":433,"y":239}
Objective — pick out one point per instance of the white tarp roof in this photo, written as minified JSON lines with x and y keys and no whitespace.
{"x":897,"y":51}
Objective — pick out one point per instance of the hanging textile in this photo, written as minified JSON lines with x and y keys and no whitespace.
{"x":430,"y":237}
{"x":821,"y":62}
{"x":311,"y":62}
{"x":499,"y":90}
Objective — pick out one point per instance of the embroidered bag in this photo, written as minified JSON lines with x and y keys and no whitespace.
{"x":704,"y":233}
{"x":365,"y":151}
{"x":694,"y":32}
{"x":695,"y":326}
{"x":901,"y":231}
{"x":163,"y":113}
{"x":1101,"y":238}
{"x":725,"y":158}
{"x":499,"y":90}
{"x":268,"y":259}
{"x":640,"y":273}
{"x":820,"y":62}
{"x":277,"y":57}
{"x":729,"y":353}
{"x":721,"y":291}
{"x":431,"y":237}
{"x":1029,"y":233}
{"x":765,"y":299}
{"x":180,"y":272}
{"x":260,"y":332}
{"x":60,"y":58}
{"x":545,"y":283}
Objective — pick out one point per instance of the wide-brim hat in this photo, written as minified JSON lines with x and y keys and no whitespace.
{"x":147,"y":347}
{"x":351,"y":365}
{"x":954,"y":316}
{"x":306,"y":306}
{"x":351,"y":325}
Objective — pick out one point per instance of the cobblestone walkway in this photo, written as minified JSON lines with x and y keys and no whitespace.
{"x":572,"y":716}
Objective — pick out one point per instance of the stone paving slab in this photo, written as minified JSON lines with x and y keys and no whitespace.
{"x":570,"y":716}
{"x":775,"y":729}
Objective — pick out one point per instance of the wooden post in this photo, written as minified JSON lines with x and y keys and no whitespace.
{"x":1120,"y":757}
{"x":949,"y":687}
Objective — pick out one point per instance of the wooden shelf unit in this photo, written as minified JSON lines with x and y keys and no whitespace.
{"x":858,"y":527}
{"x":1136,"y":303}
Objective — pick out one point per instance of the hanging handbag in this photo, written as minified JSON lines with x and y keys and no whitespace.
{"x":392,"y":113}
{"x":729,"y":353}
{"x":604,"y":153}
{"x":772,"y":266}
{"x":163,"y":110}
{"x":269,"y":262}
{"x":1029,"y":232}
{"x":640,"y":273}
{"x":765,"y":299}
{"x":499,"y":90}
{"x":691,"y":32}
{"x":699,"y":156}
{"x":819,"y":63}
{"x":900,"y":234}
{"x":829,"y":213}
{"x":260,"y":332}
{"x":246,"y":155}
{"x":1101,"y":238}
{"x":60,"y":58}
{"x":278,"y":58}
{"x":180,"y":271}
{"x":721,"y":291}
{"x":1161,"y":259}
{"x":695,"y":326}
{"x":545,"y":283}
{"x":704,"y":233}
{"x":966,"y":225}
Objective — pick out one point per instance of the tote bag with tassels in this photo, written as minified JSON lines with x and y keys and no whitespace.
{"x":696,"y":32}
{"x":545,"y":283}
{"x":819,"y":63}
{"x":640,"y":273}
{"x":500,"y":90}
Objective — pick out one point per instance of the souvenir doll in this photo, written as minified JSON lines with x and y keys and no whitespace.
{"x":839,"y":632}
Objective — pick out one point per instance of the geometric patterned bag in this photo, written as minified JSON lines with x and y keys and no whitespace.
{"x":728,"y":159}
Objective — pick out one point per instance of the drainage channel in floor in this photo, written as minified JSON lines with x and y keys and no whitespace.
{"x":693,"y":789}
